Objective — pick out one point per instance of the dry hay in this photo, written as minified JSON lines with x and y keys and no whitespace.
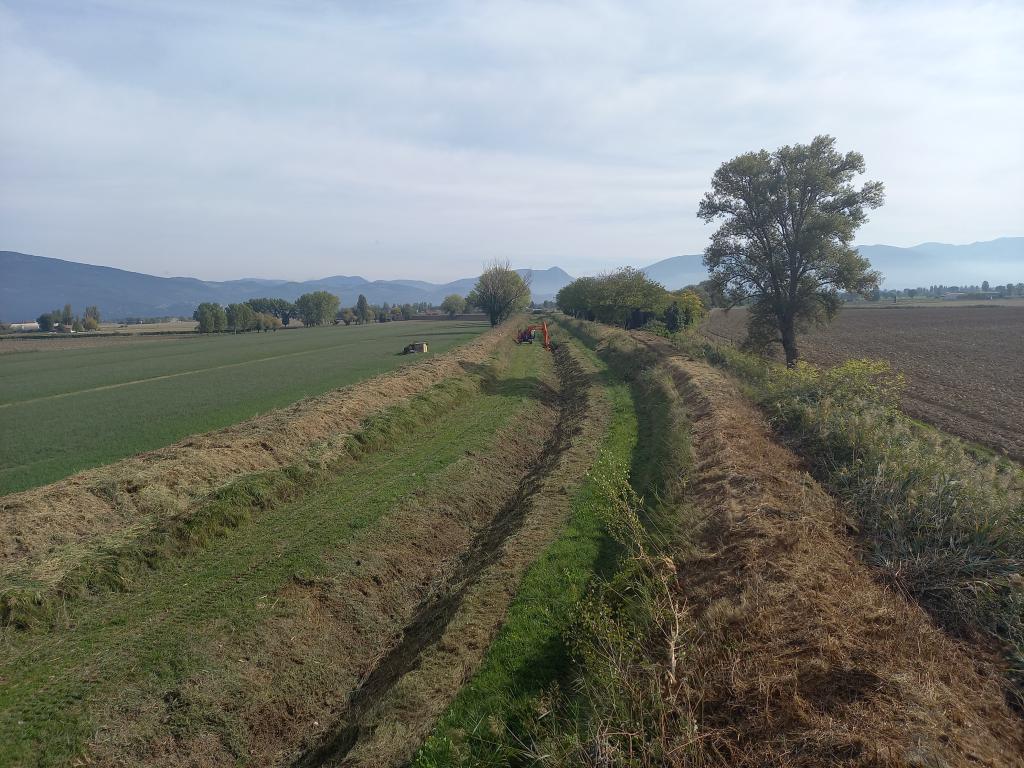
{"x":44,"y":531}
{"x":798,"y":655}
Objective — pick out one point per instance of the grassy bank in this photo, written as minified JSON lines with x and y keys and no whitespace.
{"x":942,"y":524}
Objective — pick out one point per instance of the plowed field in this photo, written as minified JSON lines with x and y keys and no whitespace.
{"x":964,"y":365}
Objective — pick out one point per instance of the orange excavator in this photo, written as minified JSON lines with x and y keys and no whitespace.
{"x":528,"y":334}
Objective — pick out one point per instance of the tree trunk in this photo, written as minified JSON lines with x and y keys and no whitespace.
{"x":788,"y":328}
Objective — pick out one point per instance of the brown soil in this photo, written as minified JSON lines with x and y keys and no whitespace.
{"x":357,"y":666}
{"x":44,"y":531}
{"x":799,"y":656}
{"x":964,"y":365}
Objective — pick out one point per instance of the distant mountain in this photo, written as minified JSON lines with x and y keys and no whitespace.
{"x":31,"y":285}
{"x":997,"y":261}
{"x":678,"y":271}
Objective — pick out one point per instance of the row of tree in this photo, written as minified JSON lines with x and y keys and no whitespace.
{"x":316,"y":308}
{"x":629,"y":299}
{"x":65,"y":319}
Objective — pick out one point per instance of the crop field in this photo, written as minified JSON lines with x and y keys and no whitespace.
{"x":964,"y":365}
{"x":69,"y":408}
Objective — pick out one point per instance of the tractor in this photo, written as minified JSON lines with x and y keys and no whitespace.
{"x":527,"y":335}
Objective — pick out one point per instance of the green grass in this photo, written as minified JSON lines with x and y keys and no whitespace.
{"x":147,"y":638}
{"x":531,"y":653}
{"x":66,"y":410}
{"x":578,"y":661}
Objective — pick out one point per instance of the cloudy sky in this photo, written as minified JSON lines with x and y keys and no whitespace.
{"x":417,"y":139}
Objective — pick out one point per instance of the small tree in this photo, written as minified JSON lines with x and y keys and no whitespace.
{"x":45,"y":321}
{"x":91,"y":323}
{"x":317,"y":308}
{"x":67,"y":317}
{"x":453,"y":305}
{"x":500,"y":292}
{"x":348,"y":317}
{"x":407,"y":311}
{"x":785,"y":245}
{"x":94,"y":313}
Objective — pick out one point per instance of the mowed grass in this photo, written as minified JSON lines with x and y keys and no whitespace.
{"x":53,"y":683}
{"x":66,"y":410}
{"x":531,"y":653}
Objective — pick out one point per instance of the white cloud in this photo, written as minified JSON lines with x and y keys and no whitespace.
{"x":222,"y":139}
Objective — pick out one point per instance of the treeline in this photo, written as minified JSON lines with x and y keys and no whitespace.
{"x":316,"y":308}
{"x":66,"y":320}
{"x":984,"y":291}
{"x":265,"y":314}
{"x":629,"y":299}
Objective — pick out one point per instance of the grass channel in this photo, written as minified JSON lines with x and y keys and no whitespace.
{"x":547,"y":685}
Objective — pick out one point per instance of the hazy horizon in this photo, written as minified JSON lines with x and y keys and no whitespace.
{"x":221,"y":140}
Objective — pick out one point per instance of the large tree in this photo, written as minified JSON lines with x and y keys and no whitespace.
{"x":500,"y":291}
{"x":317,"y":308}
{"x":211,"y":316}
{"x":282,"y":309}
{"x":785,"y":244}
{"x":453,"y":305}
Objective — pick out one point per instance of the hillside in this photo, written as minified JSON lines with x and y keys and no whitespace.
{"x":34,"y":284}
{"x":921,"y":265}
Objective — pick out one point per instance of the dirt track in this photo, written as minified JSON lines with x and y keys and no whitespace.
{"x":800,"y":657}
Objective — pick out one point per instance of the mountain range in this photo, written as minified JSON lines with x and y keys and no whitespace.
{"x":997,"y":261}
{"x":30,"y":285}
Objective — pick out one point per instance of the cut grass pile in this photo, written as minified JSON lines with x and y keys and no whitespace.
{"x":160,"y":642}
{"x":66,"y":410}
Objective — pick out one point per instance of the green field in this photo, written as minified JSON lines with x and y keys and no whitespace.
{"x":62,"y":411}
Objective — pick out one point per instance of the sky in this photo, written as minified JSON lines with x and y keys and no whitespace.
{"x":405,"y":139}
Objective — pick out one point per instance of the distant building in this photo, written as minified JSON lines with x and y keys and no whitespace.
{"x":33,"y":326}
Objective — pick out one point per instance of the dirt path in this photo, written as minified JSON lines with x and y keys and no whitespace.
{"x":801,"y":658}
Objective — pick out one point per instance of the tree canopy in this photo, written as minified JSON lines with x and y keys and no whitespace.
{"x":282,"y":309}
{"x":785,"y":244}
{"x":211,"y":316}
{"x":453,"y":305}
{"x":500,"y":292}
{"x":628,"y":298}
{"x":317,"y":308}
